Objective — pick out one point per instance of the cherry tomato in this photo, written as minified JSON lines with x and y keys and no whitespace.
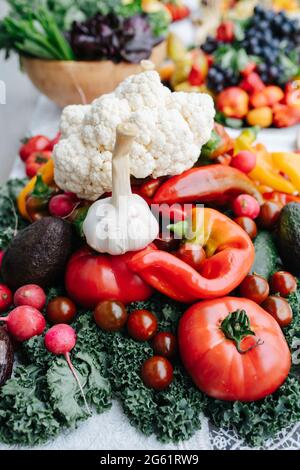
{"x":164,"y":344}
{"x":269,"y":214}
{"x":110,"y":315}
{"x":35,"y":161}
{"x":279,"y":308}
{"x":246,"y":205}
{"x":244,"y":161}
{"x":61,"y":310}
{"x":192,"y":254}
{"x":142,"y":325}
{"x":283,"y":283}
{"x":255,"y":288}
{"x":248,"y":225}
{"x":157,"y":373}
{"x":38,"y":143}
{"x":166,"y":242}
{"x":6,"y":298}
{"x":37,"y":207}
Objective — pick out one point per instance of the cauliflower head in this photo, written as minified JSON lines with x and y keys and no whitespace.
{"x":172,"y":129}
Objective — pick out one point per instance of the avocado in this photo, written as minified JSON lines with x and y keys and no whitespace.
{"x":266,"y":255}
{"x":289,"y":236}
{"x":38,"y":254}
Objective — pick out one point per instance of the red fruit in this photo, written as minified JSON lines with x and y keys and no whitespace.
{"x":244,"y":161}
{"x":62,"y":205}
{"x":37,"y":143}
{"x":142,"y":325}
{"x":225,"y":31}
{"x":6,"y":298}
{"x":157,"y":373}
{"x":195,"y":77}
{"x":35,"y":162}
{"x":233,"y":102}
{"x":30,"y":295}
{"x":246,"y":205}
{"x":25,"y":322}
{"x":248,"y":69}
{"x":164,"y":344}
{"x":252,"y":83}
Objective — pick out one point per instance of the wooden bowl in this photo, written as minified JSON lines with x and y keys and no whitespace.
{"x":80,"y":82}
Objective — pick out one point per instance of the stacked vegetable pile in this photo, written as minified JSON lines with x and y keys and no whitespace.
{"x":94,"y":30}
{"x":250,"y":67}
{"x":105,"y":300}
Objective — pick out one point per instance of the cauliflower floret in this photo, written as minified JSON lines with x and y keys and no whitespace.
{"x":101,"y":121}
{"x":143,"y":90}
{"x":72,"y":119}
{"x":198,"y":110}
{"x":172,"y":129}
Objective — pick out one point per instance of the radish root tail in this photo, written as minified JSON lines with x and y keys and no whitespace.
{"x":72,"y":369}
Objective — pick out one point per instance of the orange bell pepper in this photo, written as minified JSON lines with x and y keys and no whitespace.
{"x":47,"y":173}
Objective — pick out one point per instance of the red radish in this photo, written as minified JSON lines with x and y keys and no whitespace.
{"x":246,"y":206}
{"x":62,"y":205}
{"x":24,"y":322}
{"x":1,"y":257}
{"x":244,"y":161}
{"x":6,"y":298}
{"x":31,"y":295}
{"x":61,"y":339}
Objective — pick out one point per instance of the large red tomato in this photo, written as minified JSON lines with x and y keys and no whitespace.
{"x":233,"y":349}
{"x":92,"y":277}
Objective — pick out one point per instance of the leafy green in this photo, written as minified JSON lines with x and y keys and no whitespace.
{"x":36,"y":27}
{"x":26,"y":416}
{"x":10,"y":222}
{"x":36,"y":34}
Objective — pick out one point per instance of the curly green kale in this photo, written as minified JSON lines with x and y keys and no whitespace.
{"x":10,"y":221}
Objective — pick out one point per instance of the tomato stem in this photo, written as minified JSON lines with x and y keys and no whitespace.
{"x":236,"y":327}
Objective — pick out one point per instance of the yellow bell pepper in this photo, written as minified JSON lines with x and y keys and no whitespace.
{"x":289,"y":164}
{"x":245,"y":140}
{"x":267,"y":172}
{"x":47,"y":172}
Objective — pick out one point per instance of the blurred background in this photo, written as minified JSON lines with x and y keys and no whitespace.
{"x":14,"y":115}
{"x":219,"y":47}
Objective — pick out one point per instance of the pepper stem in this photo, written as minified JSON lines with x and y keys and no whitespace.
{"x":126,"y":132}
{"x":236,"y":327}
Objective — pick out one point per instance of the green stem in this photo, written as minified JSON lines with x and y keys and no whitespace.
{"x":236,"y":326}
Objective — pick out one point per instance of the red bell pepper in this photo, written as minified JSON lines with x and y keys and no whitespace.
{"x":281,"y":198}
{"x":92,"y":277}
{"x":230,"y":255}
{"x":205,"y":184}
